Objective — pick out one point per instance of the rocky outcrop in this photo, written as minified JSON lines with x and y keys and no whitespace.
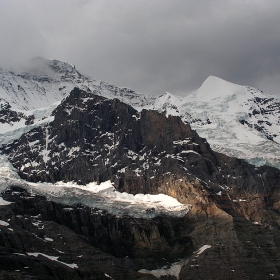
{"x":100,"y":243}
{"x":263,"y":109}
{"x":97,"y":139}
{"x":9,"y":116}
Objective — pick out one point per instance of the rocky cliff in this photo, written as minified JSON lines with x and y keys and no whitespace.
{"x":235,"y":205}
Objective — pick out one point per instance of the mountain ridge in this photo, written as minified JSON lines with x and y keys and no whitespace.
{"x":240,"y":122}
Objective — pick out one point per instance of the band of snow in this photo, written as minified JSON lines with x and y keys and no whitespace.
{"x":52,"y":258}
{"x":3,"y":223}
{"x":4,"y":202}
{"x":103,"y":196}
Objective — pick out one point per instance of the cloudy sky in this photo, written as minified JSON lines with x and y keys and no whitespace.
{"x":151,"y":46}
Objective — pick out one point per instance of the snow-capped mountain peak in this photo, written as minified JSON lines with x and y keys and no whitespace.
{"x":214,"y":87}
{"x":237,"y":120}
{"x":40,"y":65}
{"x":41,"y":84}
{"x":45,"y":82}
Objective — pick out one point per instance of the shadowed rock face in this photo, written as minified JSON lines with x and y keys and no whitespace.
{"x":121,"y":236}
{"x":37,"y":225}
{"x":235,"y":205}
{"x":99,"y":243}
{"x":96,"y":139}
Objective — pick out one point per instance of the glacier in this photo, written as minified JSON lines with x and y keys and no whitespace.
{"x":100,"y":197}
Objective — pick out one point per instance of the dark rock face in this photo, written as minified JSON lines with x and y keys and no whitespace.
{"x":235,"y":205}
{"x":84,"y":236}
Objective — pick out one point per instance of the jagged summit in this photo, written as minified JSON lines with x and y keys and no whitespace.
{"x":39,"y":85}
{"x":168,"y":104}
{"x":41,"y":64}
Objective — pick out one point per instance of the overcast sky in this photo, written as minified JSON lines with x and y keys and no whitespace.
{"x":151,"y":46}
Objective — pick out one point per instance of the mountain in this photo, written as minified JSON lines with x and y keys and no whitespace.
{"x":98,"y":185}
{"x":28,"y":97}
{"x":238,"y":121}
{"x":45,"y":82}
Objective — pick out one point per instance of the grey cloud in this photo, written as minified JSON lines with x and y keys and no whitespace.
{"x":151,"y":46}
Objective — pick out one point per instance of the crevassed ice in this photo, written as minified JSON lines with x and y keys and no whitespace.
{"x":103,"y":196}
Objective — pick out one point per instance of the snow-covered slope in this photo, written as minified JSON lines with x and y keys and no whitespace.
{"x":237,"y":120}
{"x":48,"y":81}
{"x":170,"y":104}
{"x":27,"y":98}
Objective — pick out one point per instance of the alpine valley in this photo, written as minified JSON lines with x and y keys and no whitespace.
{"x":102,"y":182}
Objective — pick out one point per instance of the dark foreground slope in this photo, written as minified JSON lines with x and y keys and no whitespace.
{"x":235,"y":206}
